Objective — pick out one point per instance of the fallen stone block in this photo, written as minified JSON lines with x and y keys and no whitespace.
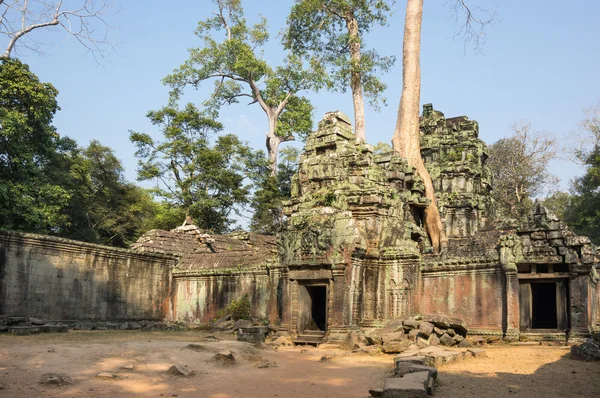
{"x":434,"y":340}
{"x":422,"y":342}
{"x":265,"y":364}
{"x":459,"y":326}
{"x":23,"y":330}
{"x":376,"y":392}
{"x":395,"y":347}
{"x":477,"y":352}
{"x":438,"y":320}
{"x":242,"y":323}
{"x":412,"y":385}
{"x":413,"y":334}
{"x":464,"y":344}
{"x":426,"y":328}
{"x":180,"y":370}
{"x":403,"y":368}
{"x":394,"y":336}
{"x":37,"y":321}
{"x":128,"y":367}
{"x":410,"y":323}
{"x":589,"y":350}
{"x":446,"y":340}
{"x":419,"y":360}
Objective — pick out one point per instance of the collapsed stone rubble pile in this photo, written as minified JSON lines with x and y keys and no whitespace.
{"x":422,"y":330}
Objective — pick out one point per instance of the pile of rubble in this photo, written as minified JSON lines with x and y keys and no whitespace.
{"x":422,"y":330}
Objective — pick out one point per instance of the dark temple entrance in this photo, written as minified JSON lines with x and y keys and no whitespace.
{"x":312,"y":308}
{"x":543,"y":306}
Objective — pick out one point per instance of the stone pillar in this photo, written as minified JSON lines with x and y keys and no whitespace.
{"x":580,"y":294}
{"x":336,"y":318}
{"x":286,"y":301}
{"x":512,"y":304}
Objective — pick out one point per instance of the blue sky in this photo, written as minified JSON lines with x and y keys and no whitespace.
{"x":540,"y":64}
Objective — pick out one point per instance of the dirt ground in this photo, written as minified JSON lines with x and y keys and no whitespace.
{"x":508,"y":371}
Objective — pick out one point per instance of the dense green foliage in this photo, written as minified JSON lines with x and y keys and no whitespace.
{"x":205,"y":180}
{"x":320,"y":30}
{"x":235,"y":66}
{"x":47,"y":183}
{"x":32,"y":154}
{"x":238,"y":309}
{"x":271,"y":191}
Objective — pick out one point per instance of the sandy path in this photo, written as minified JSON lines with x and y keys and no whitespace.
{"x":82,"y":355}
{"x":508,"y":371}
{"x":520,"y":371}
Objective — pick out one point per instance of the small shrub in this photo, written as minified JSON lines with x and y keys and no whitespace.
{"x":238,"y":309}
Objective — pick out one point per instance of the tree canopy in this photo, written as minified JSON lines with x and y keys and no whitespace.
{"x":332,"y":33}
{"x":230,"y":58}
{"x":519,"y":166}
{"x":206,"y":180}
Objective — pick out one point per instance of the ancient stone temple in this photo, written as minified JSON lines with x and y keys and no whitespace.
{"x":354,"y":254}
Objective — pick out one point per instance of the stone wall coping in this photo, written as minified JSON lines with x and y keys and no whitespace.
{"x":68,"y":245}
{"x":261,"y":269}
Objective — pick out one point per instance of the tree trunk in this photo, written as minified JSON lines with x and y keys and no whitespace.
{"x":355,"y":81}
{"x":406,"y":140}
{"x":273,"y":142}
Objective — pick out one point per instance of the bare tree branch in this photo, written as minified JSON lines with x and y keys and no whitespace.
{"x":476,"y":19}
{"x":19,"y":18}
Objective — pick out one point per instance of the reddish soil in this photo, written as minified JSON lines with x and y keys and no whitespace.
{"x":508,"y":370}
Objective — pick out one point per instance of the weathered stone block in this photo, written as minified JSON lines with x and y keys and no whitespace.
{"x":426,"y":328}
{"x":412,"y":385}
{"x":403,"y":368}
{"x":446,"y":340}
{"x":396,"y":347}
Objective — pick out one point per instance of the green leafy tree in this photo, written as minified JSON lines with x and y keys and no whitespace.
{"x":519,"y":166}
{"x":206,"y":181}
{"x":236,"y":69}
{"x":267,"y":202}
{"x":583,"y":211}
{"x":104,"y":207}
{"x":558,"y":203}
{"x":333,"y":32}
{"x":32,"y":154}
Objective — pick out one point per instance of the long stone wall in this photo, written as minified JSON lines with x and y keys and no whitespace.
{"x":474,"y":293}
{"x":60,"y":279}
{"x":200,"y":295}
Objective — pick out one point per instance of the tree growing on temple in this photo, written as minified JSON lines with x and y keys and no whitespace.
{"x":237,"y":71}
{"x":83,"y":20}
{"x":204,"y":179}
{"x":332,"y":31}
{"x":406,"y":138}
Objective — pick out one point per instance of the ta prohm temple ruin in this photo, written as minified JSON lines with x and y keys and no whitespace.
{"x":354,"y":254}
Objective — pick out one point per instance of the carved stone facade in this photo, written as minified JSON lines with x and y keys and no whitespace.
{"x":354,"y":254}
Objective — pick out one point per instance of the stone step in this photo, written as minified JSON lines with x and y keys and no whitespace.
{"x":320,"y":333}
{"x":308,"y":339}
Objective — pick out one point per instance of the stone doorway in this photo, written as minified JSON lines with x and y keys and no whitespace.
{"x":312,"y":307}
{"x":543,"y":305}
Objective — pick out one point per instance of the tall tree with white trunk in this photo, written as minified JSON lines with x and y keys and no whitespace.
{"x":406,"y":139}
